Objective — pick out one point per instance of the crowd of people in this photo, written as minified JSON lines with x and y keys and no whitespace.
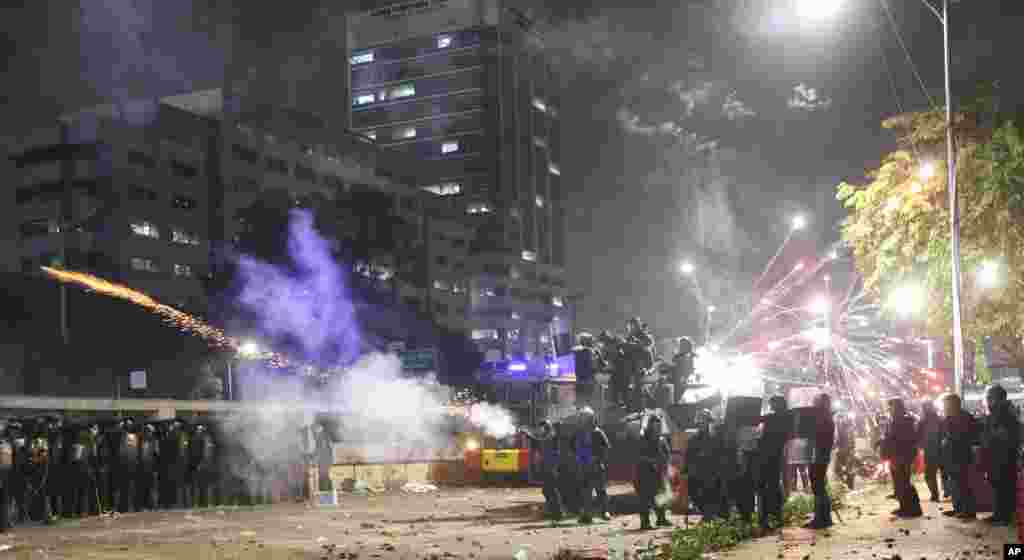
{"x":50,"y":468}
{"x":954,"y":445}
{"x":628,"y":360}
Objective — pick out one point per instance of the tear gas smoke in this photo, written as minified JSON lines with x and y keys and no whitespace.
{"x":384,"y":415}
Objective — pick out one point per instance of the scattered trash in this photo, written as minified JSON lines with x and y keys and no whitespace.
{"x":418,"y":487}
{"x":522,"y":553}
{"x":6,"y":547}
{"x":321,"y":540}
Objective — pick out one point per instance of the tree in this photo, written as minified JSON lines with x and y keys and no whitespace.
{"x":898,"y":227}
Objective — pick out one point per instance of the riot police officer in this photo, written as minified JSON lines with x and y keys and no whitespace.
{"x":702,"y":457}
{"x":682,"y":368}
{"x":775,"y":432}
{"x":58,"y":478}
{"x":587,"y":364}
{"x":22,"y":458}
{"x":122,"y":443}
{"x":639,"y":354}
{"x":1001,"y":439}
{"x":202,"y":464}
{"x":652,"y":473}
{"x":612,"y":350}
{"x":81,"y":492}
{"x":37,"y":474}
{"x":146,"y":473}
{"x":591,"y":447}
{"x":547,"y":441}
{"x":6,"y":470}
{"x":173,"y":465}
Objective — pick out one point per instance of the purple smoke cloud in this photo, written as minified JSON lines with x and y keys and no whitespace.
{"x":309,"y":306}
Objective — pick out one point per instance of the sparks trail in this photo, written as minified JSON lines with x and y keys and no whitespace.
{"x":183,"y":321}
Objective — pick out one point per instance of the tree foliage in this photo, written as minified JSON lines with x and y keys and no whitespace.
{"x":899,"y":222}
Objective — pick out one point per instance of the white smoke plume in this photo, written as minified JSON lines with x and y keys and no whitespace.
{"x":384,"y":415}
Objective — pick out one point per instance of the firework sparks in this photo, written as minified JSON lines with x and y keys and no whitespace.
{"x":182,"y":321}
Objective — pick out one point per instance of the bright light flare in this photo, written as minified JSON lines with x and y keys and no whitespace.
{"x":774,"y":345}
{"x":818,"y":10}
{"x":687,"y":268}
{"x":798,"y":223}
{"x":989,"y":274}
{"x":731,"y":375}
{"x":712,"y":309}
{"x":821,"y":338}
{"x":472,"y":445}
{"x":927,"y":170}
{"x":907,"y":300}
{"x":893,"y":365}
{"x":249,"y":350}
{"x":820,"y":304}
{"x":799,"y":266}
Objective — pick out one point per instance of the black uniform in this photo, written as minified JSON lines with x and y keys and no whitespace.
{"x":776,"y":431}
{"x":1001,"y":439}
{"x":6,"y":470}
{"x":613,"y":353}
{"x":547,"y":442}
{"x":18,"y":480}
{"x":929,"y":431}
{"x":824,"y":439}
{"x":900,"y":445}
{"x":591,"y":447}
{"x":37,"y":473}
{"x":82,"y":491}
{"x":202,"y":465}
{"x":587,"y":364}
{"x":703,"y":456}
{"x":122,"y":442}
{"x":146,"y":472}
{"x":639,"y":357}
{"x":173,"y":466}
{"x":652,"y":475}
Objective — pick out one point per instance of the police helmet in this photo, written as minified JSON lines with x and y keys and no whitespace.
{"x":778,"y":403}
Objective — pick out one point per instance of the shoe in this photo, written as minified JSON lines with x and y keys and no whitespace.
{"x":891,"y":497}
{"x":606,"y":516}
{"x":817,"y":525}
{"x":896,"y":511}
{"x":967,"y":516}
{"x":910,"y":514}
{"x":935,"y":499}
{"x":951,"y":513}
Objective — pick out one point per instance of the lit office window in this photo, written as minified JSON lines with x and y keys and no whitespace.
{"x":557,"y":301}
{"x":183,"y":237}
{"x":362,"y":58}
{"x":478,"y":208}
{"x":372,"y":134}
{"x":449,"y":147}
{"x":529,"y":256}
{"x":364,"y":99}
{"x":444,"y":41}
{"x":485,"y":334}
{"x":516,"y":316}
{"x":405,"y":133}
{"x":441,"y":285}
{"x":145,"y":229}
{"x":404,"y":90}
{"x":445,"y":189}
{"x":147,"y":265}
{"x":540,"y":105}
{"x":554,"y":169}
{"x":183,"y":270}
{"x":539,"y":201}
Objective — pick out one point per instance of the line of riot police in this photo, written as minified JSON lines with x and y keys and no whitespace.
{"x":52,"y":468}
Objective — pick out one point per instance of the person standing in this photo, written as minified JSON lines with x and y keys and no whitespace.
{"x":652,"y":473}
{"x":777,"y":426}
{"x":682,"y":369}
{"x":702,"y":455}
{"x":1001,"y":440}
{"x":639,"y":354}
{"x":959,"y":432}
{"x":547,"y":441}
{"x":591,"y":447}
{"x":824,"y":438}
{"x":901,"y":447}
{"x":930,"y":432}
{"x":587,"y":364}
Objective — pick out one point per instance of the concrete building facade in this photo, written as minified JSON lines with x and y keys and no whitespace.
{"x":464,"y":86}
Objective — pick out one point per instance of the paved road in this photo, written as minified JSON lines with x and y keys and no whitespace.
{"x":463,"y":524}
{"x":871,"y":533}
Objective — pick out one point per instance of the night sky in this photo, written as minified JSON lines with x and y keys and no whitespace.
{"x":692,"y":129}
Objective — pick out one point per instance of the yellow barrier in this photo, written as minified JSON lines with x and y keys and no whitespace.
{"x":500,"y":461}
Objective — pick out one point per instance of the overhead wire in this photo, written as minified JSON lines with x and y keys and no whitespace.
{"x":906,"y":51}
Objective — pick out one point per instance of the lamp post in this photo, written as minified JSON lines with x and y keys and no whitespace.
{"x":819,"y":9}
{"x":707,"y":324}
{"x":247,"y":350}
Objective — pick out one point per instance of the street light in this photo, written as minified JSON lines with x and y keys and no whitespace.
{"x":988,"y":274}
{"x":799,"y":223}
{"x":819,"y":305}
{"x":246,"y":351}
{"x":818,"y":9}
{"x":907,"y":300}
{"x":687,"y":268}
{"x":926,"y":171}
{"x":809,"y":9}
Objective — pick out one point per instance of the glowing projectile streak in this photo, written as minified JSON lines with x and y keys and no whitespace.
{"x":183,"y":321}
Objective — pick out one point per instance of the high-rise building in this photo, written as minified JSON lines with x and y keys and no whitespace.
{"x":464,"y":86}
